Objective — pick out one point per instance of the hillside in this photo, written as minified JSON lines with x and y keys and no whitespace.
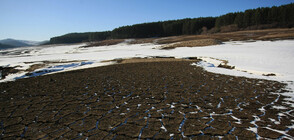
{"x":13,"y":43}
{"x":251,"y":19}
{"x":4,"y":46}
{"x":17,"y":43}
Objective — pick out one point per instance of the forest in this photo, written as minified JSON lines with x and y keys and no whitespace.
{"x":251,"y":19}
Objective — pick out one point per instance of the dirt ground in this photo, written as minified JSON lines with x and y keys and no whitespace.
{"x":146,"y":100}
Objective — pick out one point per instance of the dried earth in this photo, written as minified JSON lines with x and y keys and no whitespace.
{"x":146,"y":100}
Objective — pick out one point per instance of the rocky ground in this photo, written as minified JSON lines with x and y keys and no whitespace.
{"x":147,"y":100}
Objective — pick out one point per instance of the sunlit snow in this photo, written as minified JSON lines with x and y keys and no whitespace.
{"x":251,"y":59}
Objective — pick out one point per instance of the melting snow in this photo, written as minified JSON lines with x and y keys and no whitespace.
{"x":251,"y":59}
{"x":279,"y":107}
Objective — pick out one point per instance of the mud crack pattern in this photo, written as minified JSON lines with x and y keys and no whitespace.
{"x":159,"y":100}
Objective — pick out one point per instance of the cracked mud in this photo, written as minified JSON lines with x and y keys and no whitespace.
{"x":154,"y":100}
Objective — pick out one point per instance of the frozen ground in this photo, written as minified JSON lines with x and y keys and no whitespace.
{"x":251,"y":59}
{"x":256,"y":58}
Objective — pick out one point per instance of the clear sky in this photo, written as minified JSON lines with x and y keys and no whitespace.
{"x":42,"y":19}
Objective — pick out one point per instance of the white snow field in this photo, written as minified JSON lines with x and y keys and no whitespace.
{"x":251,"y":59}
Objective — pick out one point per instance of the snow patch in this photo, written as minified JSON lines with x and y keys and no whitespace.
{"x":251,"y":59}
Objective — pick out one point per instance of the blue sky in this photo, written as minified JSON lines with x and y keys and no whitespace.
{"x":41,"y":19}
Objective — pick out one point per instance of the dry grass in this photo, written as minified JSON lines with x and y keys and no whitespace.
{"x":104,"y":43}
{"x":277,"y":36}
{"x":138,"y":60}
{"x":265,"y":34}
{"x":174,"y":39}
{"x":153,"y":59}
{"x":42,"y":64}
{"x":225,"y":66}
{"x":143,"y":40}
{"x":192,"y":43}
{"x":34,"y":67}
{"x":268,"y":34}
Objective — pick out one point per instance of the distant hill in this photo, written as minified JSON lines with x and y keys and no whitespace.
{"x":13,"y":43}
{"x":18,"y":43}
{"x":4,"y":46}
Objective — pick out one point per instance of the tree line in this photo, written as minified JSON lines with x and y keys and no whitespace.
{"x":282,"y":16}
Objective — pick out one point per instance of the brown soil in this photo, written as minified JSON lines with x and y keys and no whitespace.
{"x":225,"y":66}
{"x":270,"y":74}
{"x":4,"y":71}
{"x":156,"y":100}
